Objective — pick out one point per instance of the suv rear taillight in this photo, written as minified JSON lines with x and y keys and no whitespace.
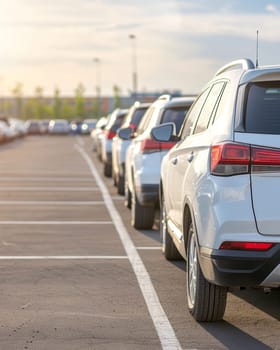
{"x":150,"y":146}
{"x":230,"y":159}
{"x":110,"y":134}
{"x":251,"y":246}
{"x":234,"y":159}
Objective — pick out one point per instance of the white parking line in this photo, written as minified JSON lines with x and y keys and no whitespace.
{"x":53,"y":189}
{"x":51,"y":203}
{"x":63,"y":257}
{"x":148,"y":248}
{"x":41,"y":178}
{"x":56,"y":222}
{"x":162,"y":325}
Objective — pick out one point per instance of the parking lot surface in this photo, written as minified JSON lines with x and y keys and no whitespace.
{"x":76,"y":275}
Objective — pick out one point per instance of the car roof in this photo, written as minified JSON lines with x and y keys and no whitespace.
{"x":180,"y":101}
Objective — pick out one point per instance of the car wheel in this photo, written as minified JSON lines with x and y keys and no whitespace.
{"x":168,"y":247}
{"x":206,"y":301}
{"x":142,"y":217}
{"x":107,"y":170}
{"x":127,"y":195}
{"x":120,"y":185}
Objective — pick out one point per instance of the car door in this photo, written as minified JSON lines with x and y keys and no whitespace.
{"x":189,"y":161}
{"x":174,"y":169}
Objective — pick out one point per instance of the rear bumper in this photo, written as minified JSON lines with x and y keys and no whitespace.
{"x":239,"y":268}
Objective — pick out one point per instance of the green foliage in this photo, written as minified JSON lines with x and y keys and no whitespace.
{"x":80,"y":105}
{"x":17,"y":91}
{"x":67,"y":111}
{"x":57,"y":104}
{"x":116,"y":91}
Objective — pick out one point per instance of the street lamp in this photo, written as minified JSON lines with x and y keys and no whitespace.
{"x":132,"y":37}
{"x":97,"y":61}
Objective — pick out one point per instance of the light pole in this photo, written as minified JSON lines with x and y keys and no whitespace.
{"x":97,"y":62}
{"x":132,"y":37}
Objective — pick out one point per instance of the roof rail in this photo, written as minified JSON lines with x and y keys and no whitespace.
{"x":243,"y":64}
{"x":165,"y":97}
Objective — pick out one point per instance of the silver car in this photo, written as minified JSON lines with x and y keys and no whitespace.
{"x":220,"y":188}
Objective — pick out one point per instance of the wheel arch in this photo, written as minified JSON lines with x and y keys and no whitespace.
{"x":189,"y":218}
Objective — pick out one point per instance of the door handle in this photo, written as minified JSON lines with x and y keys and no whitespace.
{"x":190,"y":157}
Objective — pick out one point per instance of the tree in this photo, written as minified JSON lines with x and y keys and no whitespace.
{"x":117,"y":91}
{"x":66,"y":110}
{"x":39,"y":105}
{"x":80,"y":105}
{"x":57,"y":105}
{"x":17,"y":91}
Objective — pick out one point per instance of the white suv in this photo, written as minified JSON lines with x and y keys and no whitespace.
{"x":144,"y":156}
{"x":220,"y":188}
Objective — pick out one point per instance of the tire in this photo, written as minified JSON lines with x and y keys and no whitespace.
{"x":107,"y":170}
{"x":127,"y":195}
{"x":206,"y":301}
{"x":169,"y":249}
{"x":120,"y":185}
{"x":142,"y":217}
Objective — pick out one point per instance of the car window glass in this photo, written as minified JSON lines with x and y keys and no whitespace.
{"x":263,"y":108}
{"x":174,"y":115}
{"x":208,"y":107}
{"x":193,"y":114}
{"x":220,"y":108}
{"x":145,"y":121}
{"x":137,"y":116}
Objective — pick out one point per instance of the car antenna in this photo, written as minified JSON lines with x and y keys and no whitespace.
{"x":257,"y":50}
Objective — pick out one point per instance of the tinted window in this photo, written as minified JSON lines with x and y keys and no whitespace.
{"x":193,"y":114}
{"x":118,"y":123}
{"x":262,"y":113}
{"x":145,"y":121}
{"x":220,"y":108}
{"x":137,"y":116}
{"x":208,"y":107}
{"x":174,"y":115}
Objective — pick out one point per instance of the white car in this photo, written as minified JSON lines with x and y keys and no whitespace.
{"x":95,"y":135}
{"x":144,"y":156}
{"x":220,"y":188}
{"x":109,"y":132}
{"x":119,"y":146}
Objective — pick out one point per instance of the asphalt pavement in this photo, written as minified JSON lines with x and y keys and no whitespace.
{"x":75,"y":275}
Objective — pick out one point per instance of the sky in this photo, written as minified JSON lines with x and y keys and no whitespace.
{"x":178,"y":44}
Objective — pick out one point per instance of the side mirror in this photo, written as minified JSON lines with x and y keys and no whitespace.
{"x":125,"y":133}
{"x":164,"y":133}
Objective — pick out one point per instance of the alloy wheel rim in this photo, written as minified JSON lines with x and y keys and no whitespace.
{"x":192,"y":269}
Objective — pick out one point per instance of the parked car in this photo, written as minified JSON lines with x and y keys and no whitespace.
{"x":19,"y":126}
{"x":87,"y":126}
{"x":119,"y":146}
{"x":59,"y":126}
{"x":95,"y":135}
{"x":45,"y":126}
{"x":220,"y":188}
{"x":114,"y":122}
{"x":76,"y":126}
{"x":144,"y":156}
{"x":34,"y":127}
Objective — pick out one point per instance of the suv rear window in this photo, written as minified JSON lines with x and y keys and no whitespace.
{"x":262,"y":111}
